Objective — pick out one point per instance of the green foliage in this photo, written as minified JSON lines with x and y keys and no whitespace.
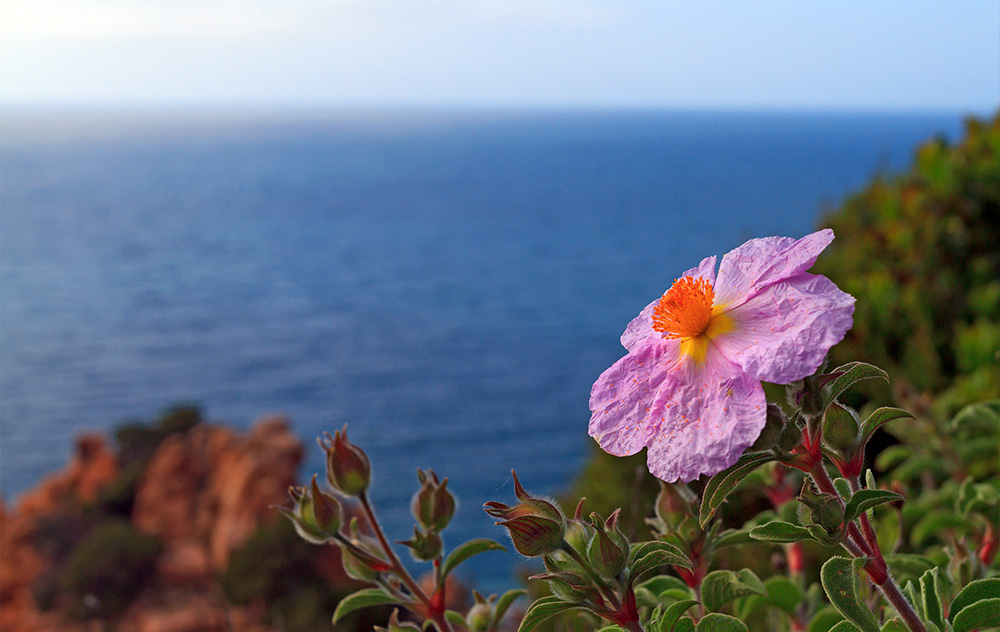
{"x":275,"y":567}
{"x":138,"y":440}
{"x":919,"y":252}
{"x":840,"y":581}
{"x":107,"y":569}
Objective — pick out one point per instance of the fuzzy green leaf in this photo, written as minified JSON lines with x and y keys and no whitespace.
{"x":672,"y":614}
{"x":456,"y":620}
{"x":894,"y":625}
{"x":851,"y":374}
{"x":910,"y":565}
{"x":880,"y":417}
{"x":826,"y":618}
{"x":720,"y":587}
{"x":732,"y":537}
{"x":649,"y":556}
{"x":684,"y":625}
{"x":845,"y":626}
{"x":504,"y":603}
{"x":720,"y":623}
{"x":544,"y":609}
{"x":466,"y":550}
{"x":974,"y":591}
{"x":361,"y":599}
{"x":723,"y":483}
{"x":865,"y":499}
{"x":982,"y":614}
{"x":779,"y":532}
{"x":840,"y":581}
{"x":930,"y":598}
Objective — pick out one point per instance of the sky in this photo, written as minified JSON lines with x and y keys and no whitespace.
{"x":765,"y":54}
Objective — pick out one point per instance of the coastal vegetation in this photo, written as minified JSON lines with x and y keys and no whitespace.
{"x":870,"y":501}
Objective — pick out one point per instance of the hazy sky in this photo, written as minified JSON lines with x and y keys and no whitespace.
{"x":698,"y":53}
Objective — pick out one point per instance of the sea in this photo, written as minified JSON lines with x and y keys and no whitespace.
{"x":447,"y":283}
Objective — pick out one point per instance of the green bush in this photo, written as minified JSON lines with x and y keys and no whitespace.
{"x":106,"y":570}
{"x":920,"y":253}
{"x":275,"y":567}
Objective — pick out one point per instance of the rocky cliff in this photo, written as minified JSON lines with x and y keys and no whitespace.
{"x":200,"y":494}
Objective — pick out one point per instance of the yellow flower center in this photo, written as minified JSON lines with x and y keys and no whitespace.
{"x":686,"y":311}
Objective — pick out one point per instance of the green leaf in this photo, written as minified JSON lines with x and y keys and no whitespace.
{"x":732,"y":537}
{"x":865,"y":499}
{"x":930,"y":597}
{"x":840,"y":581}
{"x":612,"y":628}
{"x":720,"y":587}
{"x":684,"y":625}
{"x":361,"y":599}
{"x":783,"y":593}
{"x":673,"y":614}
{"x":544,"y":609}
{"x":982,"y":614}
{"x":974,"y":591}
{"x":887,"y":530}
{"x":456,"y":620}
{"x":825,"y":619}
{"x":661,"y":584}
{"x":466,"y":550}
{"x":894,"y":625}
{"x":649,"y":556}
{"x":723,"y":483}
{"x":505,"y":602}
{"x":851,"y":374}
{"x":843,"y":488}
{"x":978,"y":416}
{"x":845,"y":626}
{"x":880,"y":417}
{"x":892,"y":456}
{"x":778,"y":531}
{"x":933,"y":524}
{"x":720,"y":623}
{"x":910,"y":565}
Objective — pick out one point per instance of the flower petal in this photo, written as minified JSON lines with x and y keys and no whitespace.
{"x":783,"y":333}
{"x":704,"y":417}
{"x":759,"y":263}
{"x":641,"y":326}
{"x":622,"y":397}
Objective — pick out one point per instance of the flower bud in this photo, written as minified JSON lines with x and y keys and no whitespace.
{"x":315,"y":515}
{"x":362,"y":561}
{"x":396,"y":626}
{"x":840,"y":426}
{"x":533,"y":535}
{"x":424,"y":545}
{"x":829,"y":515}
{"x":673,"y":503}
{"x":347,"y":468}
{"x":536,"y":526}
{"x":326,"y":509}
{"x":771,"y":432}
{"x":480,"y":615}
{"x":432,"y":505}
{"x":606,"y":557}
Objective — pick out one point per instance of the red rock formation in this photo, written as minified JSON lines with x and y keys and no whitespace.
{"x":93,"y":467}
{"x":203,"y":492}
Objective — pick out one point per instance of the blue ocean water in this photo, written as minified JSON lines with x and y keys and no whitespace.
{"x":449,"y":284}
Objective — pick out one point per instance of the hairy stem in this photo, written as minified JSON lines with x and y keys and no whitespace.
{"x":605,"y":589}
{"x":397,"y":566}
{"x":877,"y":569}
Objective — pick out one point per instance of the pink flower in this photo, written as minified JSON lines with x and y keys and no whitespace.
{"x":689,"y":388}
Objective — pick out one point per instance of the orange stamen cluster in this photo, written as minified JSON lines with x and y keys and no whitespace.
{"x":685,"y":309}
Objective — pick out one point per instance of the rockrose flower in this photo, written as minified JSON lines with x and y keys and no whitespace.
{"x":689,"y":388}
